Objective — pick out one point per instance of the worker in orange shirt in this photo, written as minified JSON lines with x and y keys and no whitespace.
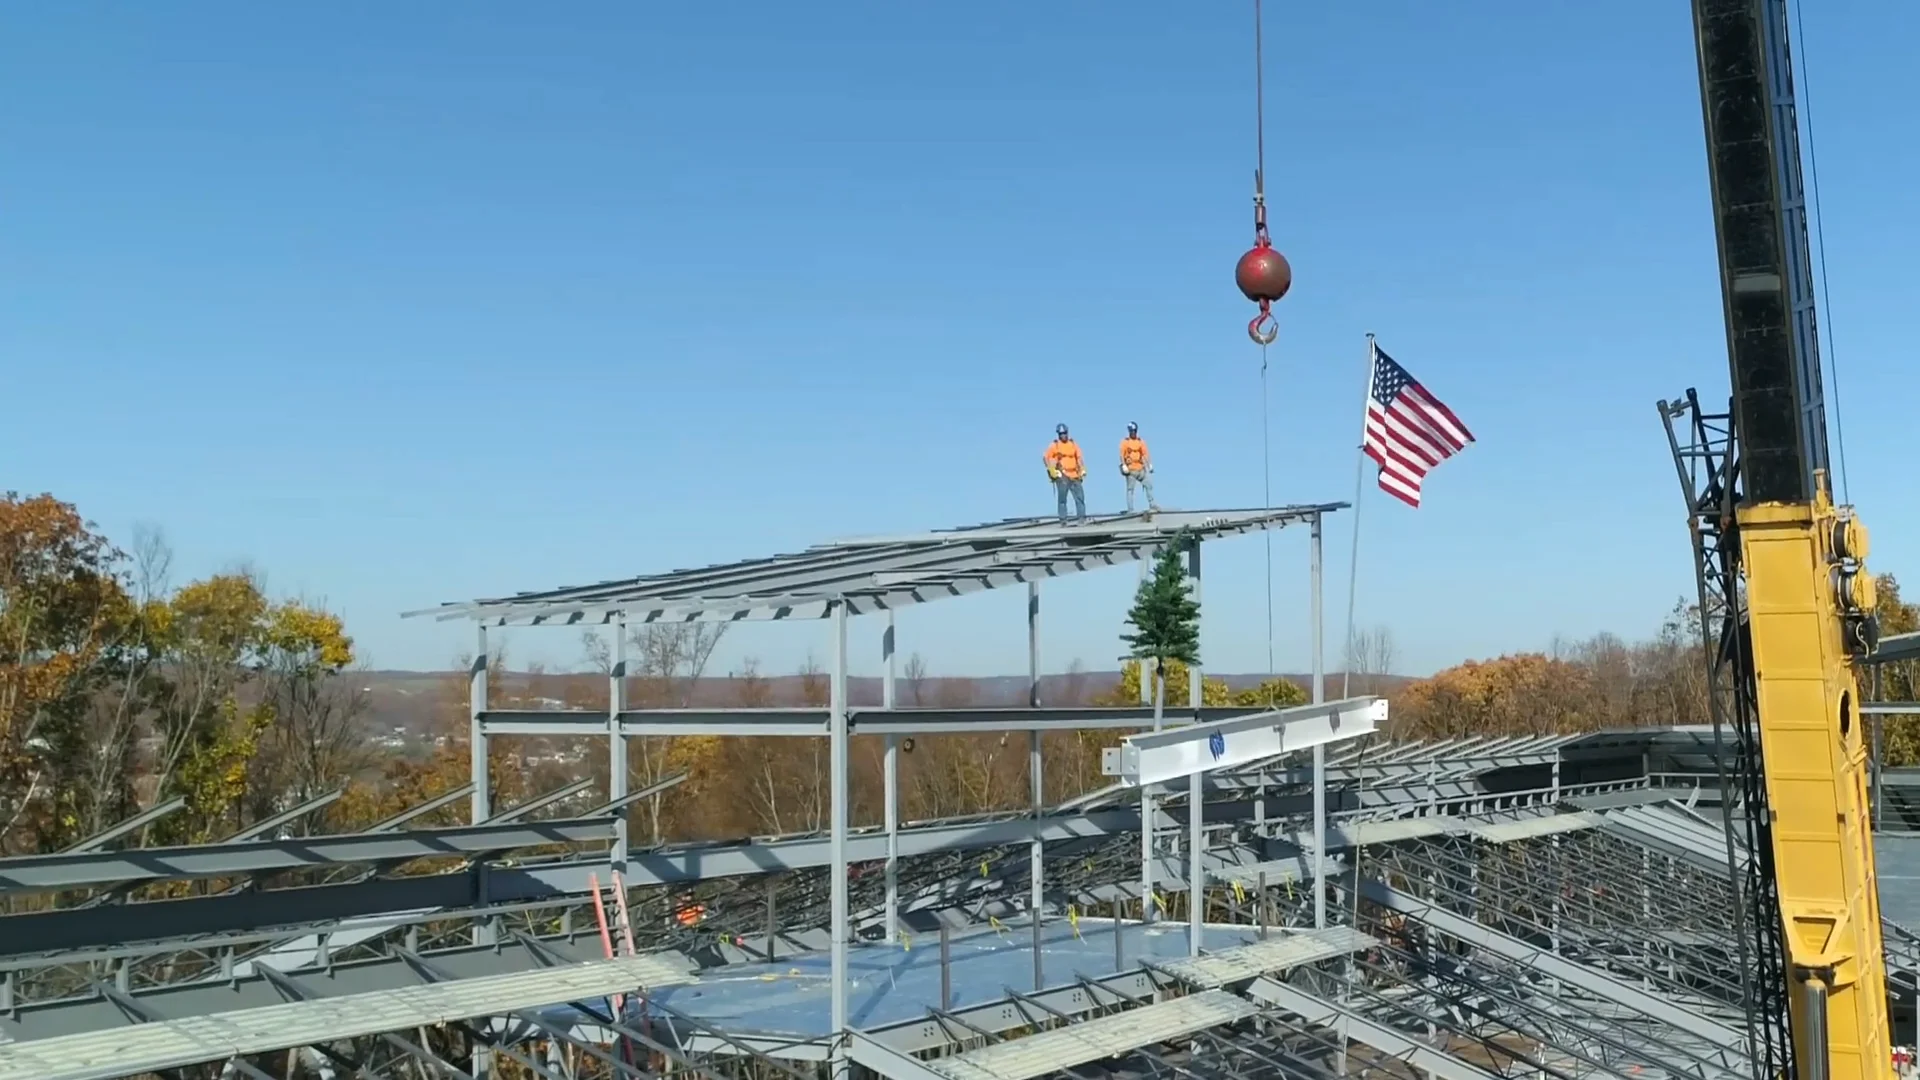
{"x":1137,"y":466}
{"x":1068,"y":471}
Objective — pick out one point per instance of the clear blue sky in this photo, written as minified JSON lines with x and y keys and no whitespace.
{"x":413,"y":303}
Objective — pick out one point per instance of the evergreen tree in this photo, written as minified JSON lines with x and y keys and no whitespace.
{"x":1165,"y":617}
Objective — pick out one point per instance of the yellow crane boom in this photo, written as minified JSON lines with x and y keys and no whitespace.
{"x":1785,"y":594}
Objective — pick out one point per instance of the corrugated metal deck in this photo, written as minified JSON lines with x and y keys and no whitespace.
{"x":172,"y":1044}
{"x":1097,"y":1040}
{"x":1288,"y":949}
{"x":1506,"y":832}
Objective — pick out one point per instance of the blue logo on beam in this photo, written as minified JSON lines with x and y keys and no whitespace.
{"x":1217,"y":744}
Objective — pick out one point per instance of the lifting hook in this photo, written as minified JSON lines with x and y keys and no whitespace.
{"x":1264,"y":328}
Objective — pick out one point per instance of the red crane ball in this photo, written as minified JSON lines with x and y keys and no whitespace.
{"x":1263,"y":274}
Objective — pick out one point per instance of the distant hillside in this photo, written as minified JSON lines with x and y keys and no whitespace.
{"x":408,"y":700}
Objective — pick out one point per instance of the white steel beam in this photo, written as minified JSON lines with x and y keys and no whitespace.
{"x":801,"y":722}
{"x":1226,"y":744}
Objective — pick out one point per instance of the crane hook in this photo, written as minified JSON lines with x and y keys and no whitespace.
{"x":1264,"y":328}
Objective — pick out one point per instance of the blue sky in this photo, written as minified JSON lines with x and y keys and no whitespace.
{"x":404,"y":304}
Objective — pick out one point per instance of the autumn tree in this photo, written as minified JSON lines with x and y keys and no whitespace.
{"x":66,"y":624}
{"x":105,"y":782}
{"x":1898,"y":681}
{"x":117,"y":691}
{"x":316,"y":737}
{"x":1176,"y":676}
{"x":764,"y":769}
{"x":1521,"y":694}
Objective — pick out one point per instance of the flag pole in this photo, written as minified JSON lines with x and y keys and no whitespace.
{"x":1359,"y":489}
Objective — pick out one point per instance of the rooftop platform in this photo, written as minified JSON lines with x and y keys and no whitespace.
{"x":876,"y":573}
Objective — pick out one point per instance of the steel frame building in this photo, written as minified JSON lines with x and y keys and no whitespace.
{"x":1554,"y":906}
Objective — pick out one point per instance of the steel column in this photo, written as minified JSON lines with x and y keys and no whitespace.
{"x":891,"y":784}
{"x":1196,"y":799}
{"x":617,"y":744}
{"x":1146,"y":687}
{"x":479,"y":754}
{"x":1036,"y":778}
{"x":1319,"y":752}
{"x":838,"y":780}
{"x":481,"y":802}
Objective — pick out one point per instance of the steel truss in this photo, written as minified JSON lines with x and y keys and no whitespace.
{"x":1706,"y":455}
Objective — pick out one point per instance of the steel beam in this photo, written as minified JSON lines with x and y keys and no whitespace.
{"x":805,"y":722}
{"x":1196,"y":799}
{"x":617,"y":770}
{"x":302,"y":908}
{"x":1320,"y":1013}
{"x":1591,"y":980}
{"x":437,"y":802}
{"x":867,"y":1051}
{"x":1225,"y":744}
{"x":1320,"y":748}
{"x":164,"y":1045}
{"x":890,"y":780}
{"x":287,"y":817}
{"x":480,"y":804}
{"x":243,"y":991}
{"x":837,"y":753}
{"x":56,"y":872}
{"x":1158,"y":529}
{"x":860,"y":573}
{"x":133,"y":824}
{"x":1036,"y":780}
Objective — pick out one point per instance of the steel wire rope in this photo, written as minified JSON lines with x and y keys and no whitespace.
{"x":1805,"y":108}
{"x":1266,"y":426}
{"x":1266,"y":503}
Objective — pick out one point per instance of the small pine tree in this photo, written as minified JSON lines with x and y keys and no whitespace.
{"x":1165,"y":618}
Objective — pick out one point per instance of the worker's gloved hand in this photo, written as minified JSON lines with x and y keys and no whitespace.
{"x":1053,"y":474}
{"x":1123,"y":470}
{"x":1149,"y":468}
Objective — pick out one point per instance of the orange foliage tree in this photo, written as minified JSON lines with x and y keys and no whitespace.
{"x":65,"y":617}
{"x":1522,"y":694}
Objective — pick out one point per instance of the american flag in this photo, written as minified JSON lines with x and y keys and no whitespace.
{"x":1409,"y":431}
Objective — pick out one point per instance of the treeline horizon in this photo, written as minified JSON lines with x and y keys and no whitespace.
{"x":120,"y":689}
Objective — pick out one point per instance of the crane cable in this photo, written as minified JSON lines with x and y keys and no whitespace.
{"x":1803,"y":107}
{"x":1266,"y":435}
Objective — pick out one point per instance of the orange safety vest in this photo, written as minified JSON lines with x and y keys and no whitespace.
{"x":1133,"y":454}
{"x":1064,"y":455}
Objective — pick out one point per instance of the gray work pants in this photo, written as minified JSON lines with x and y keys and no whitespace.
{"x":1145,"y":480}
{"x":1064,"y":487}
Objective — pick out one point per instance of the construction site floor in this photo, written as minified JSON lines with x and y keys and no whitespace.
{"x":889,"y":983}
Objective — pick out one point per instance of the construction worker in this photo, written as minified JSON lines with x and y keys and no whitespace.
{"x":1137,"y":466}
{"x":1068,"y":470}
